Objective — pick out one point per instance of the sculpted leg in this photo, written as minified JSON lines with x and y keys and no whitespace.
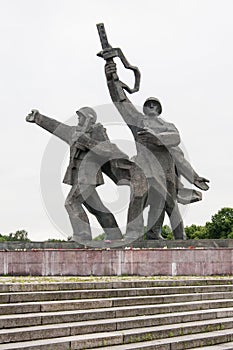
{"x":138,"y":199}
{"x":77,"y":215}
{"x":175,"y":218}
{"x":155,"y":228}
{"x":177,"y":223}
{"x":135,"y":222}
{"x":156,"y":201}
{"x":158,"y":207}
{"x":104,"y":216}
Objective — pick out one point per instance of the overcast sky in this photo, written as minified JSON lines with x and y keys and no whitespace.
{"x":48,"y":61}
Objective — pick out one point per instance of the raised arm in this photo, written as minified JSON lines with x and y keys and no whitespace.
{"x":56,"y":128}
{"x":125,"y":107}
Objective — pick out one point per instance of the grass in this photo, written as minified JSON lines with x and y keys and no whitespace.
{"x":51,"y":279}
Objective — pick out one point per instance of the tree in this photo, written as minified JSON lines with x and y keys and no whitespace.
{"x":20,"y":235}
{"x":55,"y":240}
{"x":4,"y":238}
{"x":195,"y":232}
{"x":221,"y":225}
{"x":167,"y":232}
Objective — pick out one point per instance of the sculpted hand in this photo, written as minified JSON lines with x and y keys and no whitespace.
{"x":31,"y":117}
{"x":148,"y":135}
{"x":200,"y":182}
{"x":110,"y":69}
{"x":82,"y":142}
{"x":146,"y":131}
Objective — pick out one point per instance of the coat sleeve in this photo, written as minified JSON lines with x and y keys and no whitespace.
{"x":100,"y":144}
{"x":171,"y":137}
{"x":168,"y":137}
{"x":127,"y":110}
{"x":56,"y":128}
{"x":184,"y":168}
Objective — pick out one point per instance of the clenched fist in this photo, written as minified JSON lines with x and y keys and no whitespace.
{"x":31,"y":117}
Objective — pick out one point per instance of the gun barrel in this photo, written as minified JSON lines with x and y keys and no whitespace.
{"x":103,"y":36}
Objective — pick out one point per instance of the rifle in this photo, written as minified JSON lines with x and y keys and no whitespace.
{"x":108,"y":53}
{"x":84,"y":129}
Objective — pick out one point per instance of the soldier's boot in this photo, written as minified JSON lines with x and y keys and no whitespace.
{"x":155,"y":222}
{"x":177,"y":224}
{"x":154,"y":233}
{"x":79,"y":222}
{"x":109,"y":225}
{"x":179,"y":232}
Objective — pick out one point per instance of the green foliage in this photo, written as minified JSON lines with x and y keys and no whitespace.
{"x":101,"y":237}
{"x":221,"y":225}
{"x":4,"y":238}
{"x":167,"y":232}
{"x":196,"y":232}
{"x":20,"y":235}
{"x":54,"y":240}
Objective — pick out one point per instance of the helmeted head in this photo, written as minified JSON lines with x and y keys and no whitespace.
{"x":84,"y":113}
{"x":152,"y":107}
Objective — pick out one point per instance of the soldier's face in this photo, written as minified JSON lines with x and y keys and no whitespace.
{"x":152,"y":109}
{"x":81,"y":119}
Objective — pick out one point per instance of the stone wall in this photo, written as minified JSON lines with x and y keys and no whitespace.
{"x":97,"y":262}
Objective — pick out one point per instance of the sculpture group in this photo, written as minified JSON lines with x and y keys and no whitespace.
{"x":154,"y":174}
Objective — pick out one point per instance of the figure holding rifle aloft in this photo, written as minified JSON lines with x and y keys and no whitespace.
{"x":158,"y":153}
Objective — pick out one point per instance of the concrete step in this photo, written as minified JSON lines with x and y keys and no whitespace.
{"x":106,"y":293}
{"x":142,"y":315}
{"x":123,"y":311}
{"x":177,"y":343}
{"x":110,"y":325}
{"x":223,"y":346}
{"x":45,"y":306}
{"x":143,"y":283}
{"x":116,"y":340}
{"x":117,"y":315}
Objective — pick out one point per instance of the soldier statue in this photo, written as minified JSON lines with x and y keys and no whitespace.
{"x":90,"y":148}
{"x":158,"y":152}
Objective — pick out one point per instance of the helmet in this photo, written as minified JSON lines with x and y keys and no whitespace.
{"x":155,"y":100}
{"x":87,"y":112}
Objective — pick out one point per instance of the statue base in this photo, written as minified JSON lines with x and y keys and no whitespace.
{"x":200,"y":243}
{"x":166,"y":258}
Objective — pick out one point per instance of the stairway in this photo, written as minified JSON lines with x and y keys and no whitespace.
{"x":164,"y":314}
